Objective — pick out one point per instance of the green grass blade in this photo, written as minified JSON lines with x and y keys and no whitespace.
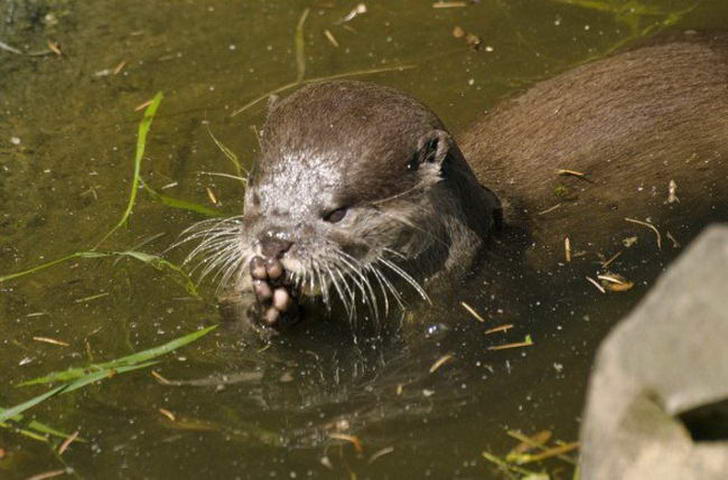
{"x":26,"y":433}
{"x":37,"y":268}
{"x":162,"y":264}
{"x":160,"y":350}
{"x":144,"y":127}
{"x":299,"y":44}
{"x":106,"y":373}
{"x":35,"y":427}
{"x":241,"y":171}
{"x":108,"y":367}
{"x":9,"y":413}
{"x":182,"y":204}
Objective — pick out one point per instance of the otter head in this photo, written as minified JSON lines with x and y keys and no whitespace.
{"x":358,"y":187}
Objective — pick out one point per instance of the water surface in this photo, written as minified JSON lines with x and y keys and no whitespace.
{"x":67,"y":138}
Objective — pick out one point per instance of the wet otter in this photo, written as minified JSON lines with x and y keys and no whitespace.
{"x":360,"y":186}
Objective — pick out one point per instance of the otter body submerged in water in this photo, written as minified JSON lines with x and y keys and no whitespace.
{"x":359,"y":188}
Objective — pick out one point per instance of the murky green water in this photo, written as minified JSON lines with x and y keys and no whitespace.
{"x":67,"y":137}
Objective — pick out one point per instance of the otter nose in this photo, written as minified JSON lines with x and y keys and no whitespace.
{"x":274,"y":243}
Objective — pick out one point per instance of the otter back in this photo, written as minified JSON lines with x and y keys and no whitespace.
{"x":640,"y":125}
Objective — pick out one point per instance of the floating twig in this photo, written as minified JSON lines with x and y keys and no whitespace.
{"x":500,"y":328}
{"x":528,"y":443}
{"x":46,"y":475}
{"x":444,"y":4}
{"x":672,"y":192}
{"x":380,"y":453}
{"x":117,"y":70}
{"x":167,"y":413}
{"x":354,"y":440}
{"x":615,"y":283}
{"x":675,"y":243}
{"x":67,"y":442}
{"x":52,"y":341}
{"x":330,"y":37}
{"x":211,"y":196}
{"x":574,"y":173}
{"x":526,"y":343}
{"x":612,"y":259}
{"x":440,"y":362}
{"x":596,"y":284}
{"x":8,"y":48}
{"x":55,"y":47}
{"x":567,"y":250}
{"x":536,"y":441}
{"x":358,"y":10}
{"x":91,"y":297}
{"x":472,"y":312}
{"x":551,"y":452}
{"x":549,"y":210}
{"x":650,"y":226}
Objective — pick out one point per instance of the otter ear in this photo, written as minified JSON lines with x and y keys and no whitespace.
{"x":432,"y":149}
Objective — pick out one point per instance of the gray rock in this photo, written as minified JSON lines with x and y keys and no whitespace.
{"x":662,"y":362}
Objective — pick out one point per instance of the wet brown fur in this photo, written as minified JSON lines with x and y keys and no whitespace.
{"x":632,"y":122}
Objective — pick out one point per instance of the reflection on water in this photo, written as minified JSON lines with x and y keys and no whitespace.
{"x":67,"y":127}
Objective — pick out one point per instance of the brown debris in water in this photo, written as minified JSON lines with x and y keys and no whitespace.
{"x":440,"y":362}
{"x":675,"y":243}
{"x":567,"y":250}
{"x":614,"y":282}
{"x":52,"y":341}
{"x":211,"y":195}
{"x":55,"y":47}
{"x":573,"y":173}
{"x":672,"y":192}
{"x":472,"y":312}
{"x":611,"y":259}
{"x":171,"y":416}
{"x":596,"y":284}
{"x":380,"y":453}
{"x":360,"y":9}
{"x":651,"y":227}
{"x":143,"y":105}
{"x":67,"y":442}
{"x":330,"y":37}
{"x":500,"y":328}
{"x":472,"y":40}
{"x":45,"y":475}
{"x":444,"y":4}
{"x":528,"y":442}
{"x":549,"y":210}
{"x":117,"y":70}
{"x":527,"y":342}
{"x":353,"y":439}
{"x":629,"y":241}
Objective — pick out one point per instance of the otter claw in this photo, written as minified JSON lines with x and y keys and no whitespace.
{"x":262,"y":290}
{"x":276,"y":303}
{"x":257,"y":269}
{"x":282,"y":299}
{"x":274,"y":268}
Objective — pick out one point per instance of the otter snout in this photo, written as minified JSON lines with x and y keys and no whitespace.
{"x":274,"y":243}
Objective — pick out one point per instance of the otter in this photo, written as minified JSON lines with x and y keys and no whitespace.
{"x":360,"y":188}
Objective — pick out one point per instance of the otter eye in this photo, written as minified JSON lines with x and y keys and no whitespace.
{"x":336,"y":216}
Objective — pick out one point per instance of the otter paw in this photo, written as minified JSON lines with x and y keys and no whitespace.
{"x":277,"y":302}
